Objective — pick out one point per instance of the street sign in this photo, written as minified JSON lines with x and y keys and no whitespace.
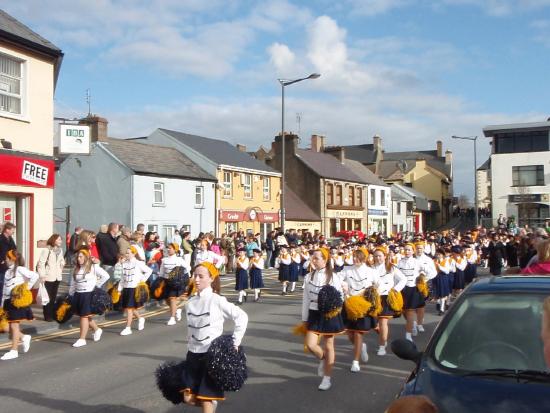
{"x":74,"y":139}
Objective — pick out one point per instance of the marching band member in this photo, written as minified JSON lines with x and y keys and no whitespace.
{"x":427,"y":267}
{"x":460,"y":263}
{"x":283,"y":264}
{"x":337,"y":260}
{"x":357,"y":279}
{"x":86,"y":277}
{"x":412,"y":297}
{"x":241,"y":274}
{"x":440,"y":283}
{"x":296,"y":261}
{"x":134,"y":271}
{"x":205,"y":255}
{"x":389,"y":278}
{"x":17,"y":275}
{"x":470,"y":273}
{"x":305,"y":259}
{"x":168,"y":263}
{"x":256,"y":279}
{"x":348,"y":257}
{"x":206,"y":313}
{"x":316,"y":324}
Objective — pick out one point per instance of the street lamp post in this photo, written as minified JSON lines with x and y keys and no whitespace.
{"x":284,"y":83}
{"x":473,"y":138}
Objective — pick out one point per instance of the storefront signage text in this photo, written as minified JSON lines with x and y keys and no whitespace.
{"x":26,"y":171}
{"x":381,"y":212}
{"x":35,"y":173}
{"x":522,"y":198}
{"x":344,"y":214}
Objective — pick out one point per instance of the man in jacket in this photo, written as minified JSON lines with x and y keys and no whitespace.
{"x":107,"y":246}
{"x":123,"y":241}
{"x":6,"y":243}
{"x":71,"y":248}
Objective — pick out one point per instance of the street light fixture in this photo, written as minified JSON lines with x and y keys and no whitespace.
{"x":284,"y":83}
{"x":474,"y":139}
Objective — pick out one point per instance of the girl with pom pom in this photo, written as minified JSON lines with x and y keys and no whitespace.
{"x":134,"y":272}
{"x":171,"y":261}
{"x":391,"y":282}
{"x":357,"y":278}
{"x":318,"y":324}
{"x":86,"y":277}
{"x":17,"y":300}
{"x":206,"y":313}
{"x":412,"y":297}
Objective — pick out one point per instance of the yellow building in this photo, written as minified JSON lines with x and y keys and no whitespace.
{"x":29,"y":66}
{"x":248,"y":191}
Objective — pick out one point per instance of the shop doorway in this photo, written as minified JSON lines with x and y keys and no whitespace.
{"x":16,"y":208}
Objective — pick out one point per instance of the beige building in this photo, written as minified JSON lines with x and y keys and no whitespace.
{"x":484,"y":185}
{"x":29,"y":67}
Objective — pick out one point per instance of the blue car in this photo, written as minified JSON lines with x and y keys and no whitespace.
{"x":486,"y":355}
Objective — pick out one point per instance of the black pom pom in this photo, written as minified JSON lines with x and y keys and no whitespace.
{"x":170,"y":380}
{"x":100,"y":301}
{"x":226,"y":366}
{"x":329,"y":299}
{"x":178,"y":278}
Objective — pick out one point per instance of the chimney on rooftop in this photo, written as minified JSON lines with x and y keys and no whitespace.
{"x":317,"y":143}
{"x":98,"y":127}
{"x":377,"y":143}
{"x":448,"y":157}
{"x":439,"y":146}
{"x":241,"y":148}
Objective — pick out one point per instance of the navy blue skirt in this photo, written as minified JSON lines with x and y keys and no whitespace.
{"x":412,"y":298}
{"x":256,"y":279}
{"x":361,"y":325}
{"x":459,"y":282}
{"x":318,"y":324}
{"x":170,"y":291}
{"x":284,"y":272}
{"x":470,"y":273}
{"x":387,"y":312}
{"x":451,"y":280}
{"x":81,"y":304}
{"x":197,"y":380}
{"x":241,"y":280}
{"x":440,"y":285}
{"x":338,"y":268}
{"x":129,"y":300}
{"x":294,"y":272}
{"x":17,"y":314}
{"x":304,"y":269}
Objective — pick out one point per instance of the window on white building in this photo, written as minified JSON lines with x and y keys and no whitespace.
{"x":267,"y":188}
{"x":11,"y":85}
{"x":383,"y":198}
{"x":530,"y":175}
{"x":227,"y":184}
{"x":199,"y":196}
{"x":158,"y":193}
{"x":398,"y":204}
{"x":247,"y":186}
{"x":372,"y":197}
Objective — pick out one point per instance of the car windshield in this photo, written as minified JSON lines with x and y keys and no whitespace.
{"x":493,"y":331}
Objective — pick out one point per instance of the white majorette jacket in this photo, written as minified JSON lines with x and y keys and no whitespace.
{"x":86,"y":282}
{"x":133,"y":272}
{"x":472,"y":259}
{"x":426,"y":266}
{"x":443,"y":266}
{"x":13,"y":279}
{"x":258,"y":264}
{"x":313,"y":282}
{"x":242,"y":264}
{"x":209,"y":256}
{"x":283,"y":259}
{"x":410,"y":268}
{"x":205,"y":314}
{"x":170,"y":262}
{"x":387,"y":280}
{"x":358,"y":278}
{"x":461,"y":263}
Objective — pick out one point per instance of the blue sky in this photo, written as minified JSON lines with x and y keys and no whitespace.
{"x":411,"y":71}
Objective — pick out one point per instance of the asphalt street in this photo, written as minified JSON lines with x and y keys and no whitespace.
{"x":116,"y":374}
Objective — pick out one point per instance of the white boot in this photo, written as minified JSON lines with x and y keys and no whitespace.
{"x":292,"y":286}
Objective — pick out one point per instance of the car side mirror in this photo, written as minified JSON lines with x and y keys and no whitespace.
{"x":406,"y":350}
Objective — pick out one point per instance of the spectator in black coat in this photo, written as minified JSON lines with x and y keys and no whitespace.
{"x":107,"y":247}
{"x":512,"y":252}
{"x":71,"y":248}
{"x":497,"y":253}
{"x":6,"y":243}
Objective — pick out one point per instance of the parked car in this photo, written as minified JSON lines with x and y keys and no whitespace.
{"x":486,"y":355}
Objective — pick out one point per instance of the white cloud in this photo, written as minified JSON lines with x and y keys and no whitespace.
{"x":283,"y":59}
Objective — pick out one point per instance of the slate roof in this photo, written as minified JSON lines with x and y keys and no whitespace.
{"x":362,"y":153}
{"x":296,"y":209}
{"x":420,"y":199}
{"x":389,"y":169}
{"x":400,"y":195}
{"x":155,"y":160}
{"x":327,"y":166}
{"x":11,"y":26}
{"x":220,"y":152}
{"x":485,"y":166}
{"x":363,"y":172}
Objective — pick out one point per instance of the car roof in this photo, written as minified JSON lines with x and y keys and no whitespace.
{"x":507,"y":283}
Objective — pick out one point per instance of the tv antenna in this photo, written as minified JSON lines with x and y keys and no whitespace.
{"x":299,"y":121}
{"x":89,"y":101}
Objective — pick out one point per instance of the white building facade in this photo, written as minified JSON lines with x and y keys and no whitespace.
{"x":379,"y":208}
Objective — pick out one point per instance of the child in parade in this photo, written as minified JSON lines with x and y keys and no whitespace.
{"x":205,"y":255}
{"x":412,"y":297}
{"x":171,"y":261}
{"x":337,"y":260}
{"x":296,"y":260}
{"x":206,"y":313}
{"x":460,"y":265}
{"x":440,"y":283}
{"x":86,"y":277}
{"x":389,"y":278}
{"x":470,"y":273}
{"x":256,"y":279}
{"x":357,"y":278}
{"x":348,"y":257}
{"x":17,"y":275}
{"x":241,"y":274}
{"x":283,"y":264}
{"x":316,"y":324}
{"x":305,"y":263}
{"x":134,"y":271}
{"x":427,"y":267}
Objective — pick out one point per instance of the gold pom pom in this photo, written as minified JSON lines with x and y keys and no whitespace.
{"x":21,"y":296}
{"x":159,"y":291}
{"x":115,"y":294}
{"x":141,"y":293}
{"x":299,"y":329}
{"x":61,"y":311}
{"x":372,"y":296}
{"x":422,"y":285}
{"x":356,"y":307}
{"x":4,"y":325}
{"x":395,"y":300}
{"x":332,"y":313}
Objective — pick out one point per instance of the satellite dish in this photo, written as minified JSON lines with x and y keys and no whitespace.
{"x":402,"y":165}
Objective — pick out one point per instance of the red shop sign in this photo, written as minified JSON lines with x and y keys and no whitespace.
{"x":26,"y":171}
{"x":231,"y":216}
{"x":268,"y":216}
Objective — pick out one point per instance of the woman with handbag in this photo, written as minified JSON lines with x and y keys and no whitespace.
{"x":50,"y":268}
